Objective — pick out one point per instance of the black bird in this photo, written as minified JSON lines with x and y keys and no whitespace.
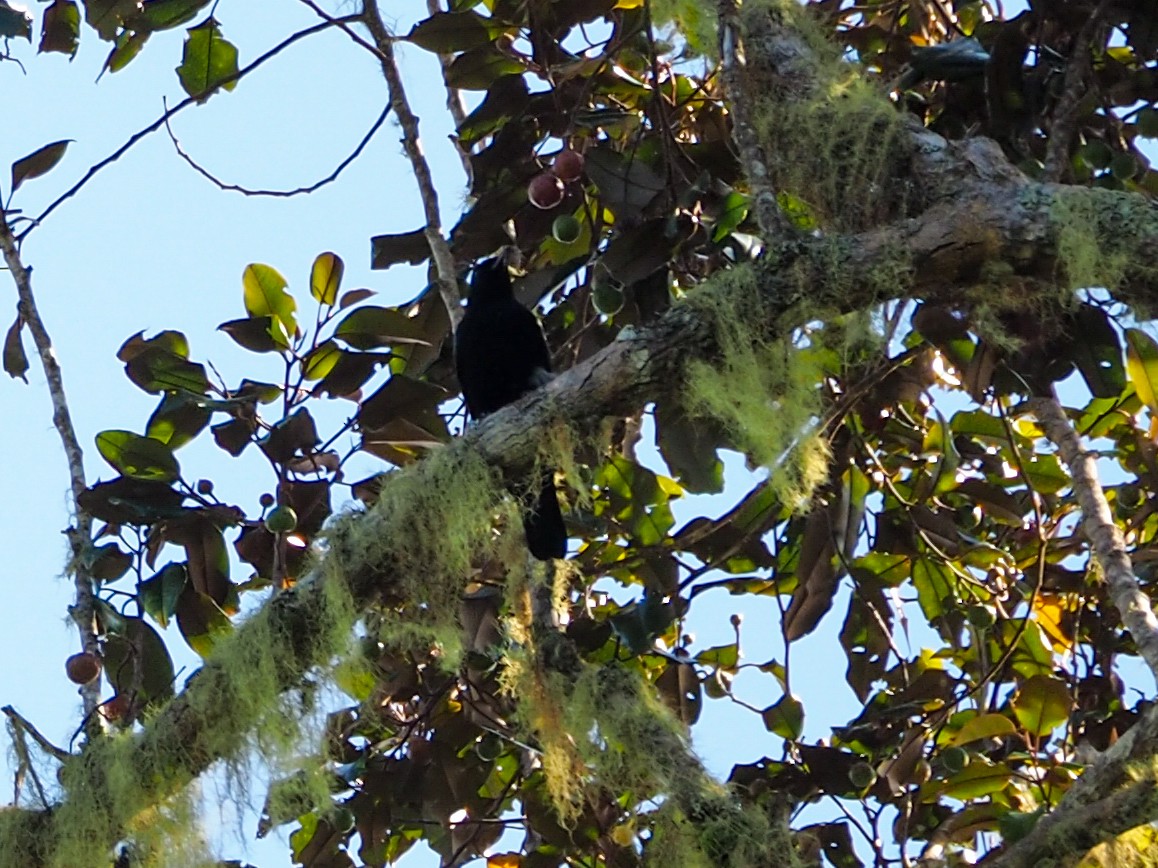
{"x":500,"y":355}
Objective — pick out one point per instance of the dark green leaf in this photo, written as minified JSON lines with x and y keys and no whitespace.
{"x":38,"y":162}
{"x":177,"y":420}
{"x":409,"y":247}
{"x":15,"y":360}
{"x":256,"y":334}
{"x":14,"y":22}
{"x":450,"y":32}
{"x":294,"y":434}
{"x":138,"y":457}
{"x":233,"y":436}
{"x":128,"y":46}
{"x":60,"y":28}
{"x":201,"y":621}
{"x":370,"y":327}
{"x":785,"y":718}
{"x":107,"y":17}
{"x":137,"y":650}
{"x":164,"y":14}
{"x":1098,"y":353}
{"x":109,"y":563}
{"x":159,"y":595}
{"x":477,"y":69}
{"x":403,"y":397}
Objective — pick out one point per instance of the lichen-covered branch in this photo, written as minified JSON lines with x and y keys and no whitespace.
{"x":412,"y":144}
{"x":1105,"y":537}
{"x":83,"y":609}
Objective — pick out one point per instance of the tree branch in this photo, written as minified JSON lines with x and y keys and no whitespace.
{"x":1105,"y":537}
{"x":83,"y":609}
{"x":412,"y":143}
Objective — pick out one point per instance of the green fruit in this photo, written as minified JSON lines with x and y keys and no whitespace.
{"x":608,"y":298}
{"x":1124,"y":166}
{"x":343,"y":821}
{"x":981,"y":617}
{"x":1148,"y":123}
{"x":281,"y":520}
{"x":1096,"y":153}
{"x":862,"y":776}
{"x":566,"y":229}
{"x":954,"y":759}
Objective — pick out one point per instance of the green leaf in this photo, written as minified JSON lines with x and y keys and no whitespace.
{"x":128,"y":46}
{"x":201,"y":621}
{"x":785,"y":718}
{"x":1042,"y":704}
{"x":15,"y":360}
{"x":265,"y":294}
{"x":984,"y":726}
{"x":258,"y":334}
{"x":450,"y":32}
{"x":138,"y":457}
{"x":164,"y":14}
{"x":977,"y":780}
{"x":318,"y":362}
{"x":208,"y":62}
{"x":137,"y":662}
{"x":177,"y":420}
{"x":60,"y":28}
{"x":39,"y":162}
{"x":159,"y":594}
{"x":477,"y":69}
{"x":370,"y":327}
{"x":107,"y":17}
{"x":1142,"y":366}
{"x":326,"y":278}
{"x":722,"y":656}
{"x":732,"y":214}
{"x":14,"y":22}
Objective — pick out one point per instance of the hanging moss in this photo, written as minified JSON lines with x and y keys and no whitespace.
{"x":835,"y":151}
{"x":1096,"y":232}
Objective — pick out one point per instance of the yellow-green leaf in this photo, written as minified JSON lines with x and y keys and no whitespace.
{"x":1042,"y":704}
{"x":1142,"y":366}
{"x":326,"y":277}
{"x":984,"y":726}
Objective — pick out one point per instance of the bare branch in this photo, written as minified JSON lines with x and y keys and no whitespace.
{"x":284,"y":194}
{"x":167,"y":115}
{"x":454,"y":103}
{"x":83,"y":609}
{"x":439,"y":248}
{"x":1105,"y":537}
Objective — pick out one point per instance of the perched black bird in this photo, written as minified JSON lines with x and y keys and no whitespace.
{"x":500,"y":354}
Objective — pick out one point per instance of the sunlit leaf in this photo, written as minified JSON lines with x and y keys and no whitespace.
{"x":326,"y":278}
{"x":209,"y":61}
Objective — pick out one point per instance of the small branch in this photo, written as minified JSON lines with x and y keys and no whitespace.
{"x":732,"y":63}
{"x":439,"y":248}
{"x":1108,"y":544}
{"x":83,"y":609}
{"x":454,"y":103}
{"x":169,"y":113}
{"x":22,"y":723}
{"x":1064,"y":126}
{"x":284,"y":194}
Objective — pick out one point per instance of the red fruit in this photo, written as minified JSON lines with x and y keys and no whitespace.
{"x":116,"y":709}
{"x":83,"y":668}
{"x":568,"y":166}
{"x":545,"y":191}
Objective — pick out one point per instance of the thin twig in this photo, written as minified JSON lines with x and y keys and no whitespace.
{"x":412,"y":143}
{"x":1106,"y":540}
{"x":83,"y":609}
{"x":169,"y":113}
{"x":454,"y":103}
{"x":283,"y":194}
{"x":24,"y":725}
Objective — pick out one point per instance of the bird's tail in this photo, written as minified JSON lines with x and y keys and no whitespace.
{"x":543,"y":523}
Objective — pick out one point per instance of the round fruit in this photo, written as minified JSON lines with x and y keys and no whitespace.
{"x":282,"y":519}
{"x":608,"y":298}
{"x":566,"y":229}
{"x":83,"y":668}
{"x":204,"y":486}
{"x":862,"y":776}
{"x":266,"y":500}
{"x":981,"y":617}
{"x":545,"y":191}
{"x":343,"y":821}
{"x":568,"y":165}
{"x":954,"y":759}
{"x":115,"y":709}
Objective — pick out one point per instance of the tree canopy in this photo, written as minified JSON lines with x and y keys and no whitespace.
{"x":899,"y":255}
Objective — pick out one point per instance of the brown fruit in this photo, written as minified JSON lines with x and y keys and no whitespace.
{"x":83,"y":668}
{"x":116,"y":709}
{"x":568,"y":166}
{"x":545,"y":191}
